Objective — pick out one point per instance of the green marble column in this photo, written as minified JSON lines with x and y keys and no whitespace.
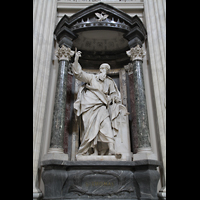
{"x":141,"y":108}
{"x":136,"y":55}
{"x":57,"y":133}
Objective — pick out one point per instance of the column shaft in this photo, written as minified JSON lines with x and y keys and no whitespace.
{"x":144,"y":151}
{"x":59,"y":106}
{"x":64,"y":54}
{"x":140,"y":106}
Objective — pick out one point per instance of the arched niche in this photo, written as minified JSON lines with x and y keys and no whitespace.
{"x":103,"y":39}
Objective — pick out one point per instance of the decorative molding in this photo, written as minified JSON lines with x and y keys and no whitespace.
{"x":84,"y":16}
{"x":55,"y":150}
{"x":64,"y":53}
{"x":136,"y":53}
{"x":101,"y":16}
{"x":93,"y":22}
{"x":70,"y":31}
{"x":123,"y":181}
{"x":129,"y":68}
{"x":135,"y":5}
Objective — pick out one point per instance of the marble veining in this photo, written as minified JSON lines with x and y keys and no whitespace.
{"x":140,"y":105}
{"x":59,"y":106}
{"x":133,"y":114}
{"x":68,"y":112}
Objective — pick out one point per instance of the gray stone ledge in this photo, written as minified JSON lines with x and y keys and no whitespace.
{"x":126,"y":164}
{"x":99,"y":199}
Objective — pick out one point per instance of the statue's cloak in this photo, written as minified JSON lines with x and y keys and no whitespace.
{"x":96,"y":116}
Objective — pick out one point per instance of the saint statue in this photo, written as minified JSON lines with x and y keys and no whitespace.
{"x":98,"y":106}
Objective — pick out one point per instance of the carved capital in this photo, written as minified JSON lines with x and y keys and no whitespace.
{"x":129,"y":68}
{"x":136,"y":53}
{"x":64,"y":53}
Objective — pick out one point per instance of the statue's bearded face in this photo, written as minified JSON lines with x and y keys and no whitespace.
{"x":103,"y":72}
{"x":104,"y":68}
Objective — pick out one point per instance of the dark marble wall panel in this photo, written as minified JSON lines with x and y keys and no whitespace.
{"x":133,"y":121}
{"x":68,"y":112}
{"x":59,"y":107}
{"x":140,"y":106}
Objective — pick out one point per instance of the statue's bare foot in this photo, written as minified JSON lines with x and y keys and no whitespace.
{"x":95,"y":152}
{"x":111,"y":149}
{"x":111,"y":152}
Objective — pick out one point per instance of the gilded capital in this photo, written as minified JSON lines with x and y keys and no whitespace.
{"x":64,"y":53}
{"x":136,"y":53}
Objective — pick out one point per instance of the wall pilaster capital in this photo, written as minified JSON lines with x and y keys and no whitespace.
{"x":136,"y":53}
{"x":129,"y":68}
{"x":64,"y":53}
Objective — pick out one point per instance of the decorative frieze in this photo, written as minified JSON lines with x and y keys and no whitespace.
{"x":64,"y":53}
{"x":136,"y":53}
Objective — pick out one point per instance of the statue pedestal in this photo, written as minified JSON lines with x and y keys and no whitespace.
{"x":100,"y":179}
{"x":120,"y":157}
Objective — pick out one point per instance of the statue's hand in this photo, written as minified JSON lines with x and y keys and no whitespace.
{"x":78,"y":54}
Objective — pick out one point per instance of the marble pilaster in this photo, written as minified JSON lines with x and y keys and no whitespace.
{"x":44,"y":14}
{"x":155,"y":19}
{"x":144,"y":146}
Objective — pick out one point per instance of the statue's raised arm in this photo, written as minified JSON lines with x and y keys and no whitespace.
{"x":77,"y":69}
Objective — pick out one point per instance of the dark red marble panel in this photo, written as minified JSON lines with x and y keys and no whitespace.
{"x":133,"y":114}
{"x":67,"y":114}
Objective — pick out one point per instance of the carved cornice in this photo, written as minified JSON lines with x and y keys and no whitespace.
{"x":93,"y":23}
{"x":64,"y":53}
{"x":136,"y":53}
{"x":69,"y":30}
{"x":86,"y":19}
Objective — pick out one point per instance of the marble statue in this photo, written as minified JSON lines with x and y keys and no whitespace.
{"x":98,"y":105}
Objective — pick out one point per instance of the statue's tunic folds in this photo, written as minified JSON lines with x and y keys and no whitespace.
{"x":92,"y":106}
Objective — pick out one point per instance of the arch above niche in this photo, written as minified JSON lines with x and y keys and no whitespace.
{"x":103,"y":33}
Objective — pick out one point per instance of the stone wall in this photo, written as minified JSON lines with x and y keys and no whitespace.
{"x":46,"y":14}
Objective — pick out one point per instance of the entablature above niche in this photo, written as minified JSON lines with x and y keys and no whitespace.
{"x":91,"y":23}
{"x":101,"y":32}
{"x":87,"y":19}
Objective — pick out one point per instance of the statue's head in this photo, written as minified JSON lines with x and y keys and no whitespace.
{"x":104,"y":68}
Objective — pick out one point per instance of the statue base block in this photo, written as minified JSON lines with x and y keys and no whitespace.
{"x":118,"y":157}
{"x":100,"y":179}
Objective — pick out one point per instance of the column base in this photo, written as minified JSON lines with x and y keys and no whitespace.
{"x":37,"y":195}
{"x":55,"y":154}
{"x":162,"y":193}
{"x":144,"y":153}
